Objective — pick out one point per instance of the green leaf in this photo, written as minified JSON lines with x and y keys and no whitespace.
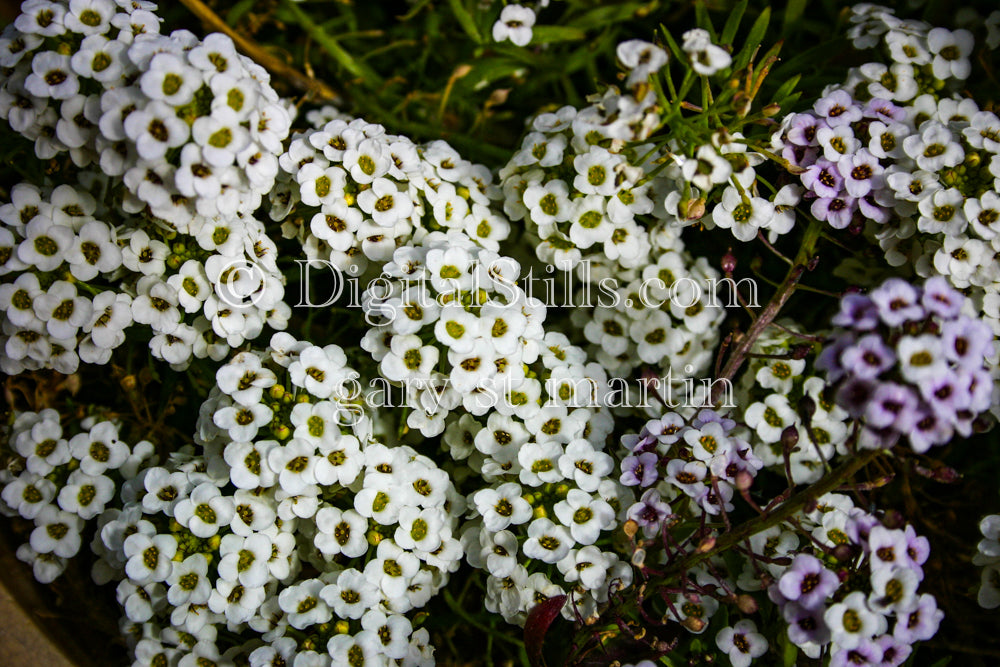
{"x":549,"y":34}
{"x":703,"y":20}
{"x":790,"y":653}
{"x":757,"y":32}
{"x":674,"y":49}
{"x":733,"y":22}
{"x":487,"y":70}
{"x":238,"y":10}
{"x":793,"y":13}
{"x":465,"y":20}
{"x":602,"y":16}
{"x":786,"y":88}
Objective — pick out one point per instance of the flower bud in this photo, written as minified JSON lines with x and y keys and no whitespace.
{"x":747,"y":604}
{"x":728,"y":262}
{"x":807,"y":407}
{"x":693,"y":624}
{"x":706,"y":545}
{"x":843,"y":553}
{"x":789,"y":438}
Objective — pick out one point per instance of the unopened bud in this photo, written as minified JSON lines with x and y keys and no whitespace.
{"x":801,"y":351}
{"x":744,"y":480}
{"x":771,"y":110}
{"x":893,"y":519}
{"x":807,"y":407}
{"x":728,"y":262}
{"x":706,"y":545}
{"x":789,"y":438}
{"x":747,"y":604}
{"x":276,"y":391}
{"x":843,"y":553}
{"x":128,"y":383}
{"x":695,"y":209}
{"x":693,"y":624}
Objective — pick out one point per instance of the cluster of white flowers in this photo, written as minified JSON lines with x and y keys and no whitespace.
{"x":988,"y":556}
{"x":192,"y":127}
{"x":60,"y":476}
{"x":77,"y":275}
{"x":599,"y":210}
{"x":541,"y":522}
{"x":860,"y":600}
{"x":778,"y":392}
{"x":292,"y":525}
{"x":450,"y":324}
{"x":892,"y":140}
{"x":351,"y":194}
{"x":665,"y":314}
{"x":580,"y":189}
{"x":193,"y":130}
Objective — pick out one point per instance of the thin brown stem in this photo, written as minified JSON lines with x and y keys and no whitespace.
{"x":307,"y":84}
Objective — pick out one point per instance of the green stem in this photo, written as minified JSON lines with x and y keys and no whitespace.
{"x":332,"y":46}
{"x":773,"y":307}
{"x":464,"y":615}
{"x":782,"y":513}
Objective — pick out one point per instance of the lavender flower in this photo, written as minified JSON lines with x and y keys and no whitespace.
{"x":807,"y":582}
{"x":907,"y":363}
{"x":649,"y":513}
{"x":640,"y":470}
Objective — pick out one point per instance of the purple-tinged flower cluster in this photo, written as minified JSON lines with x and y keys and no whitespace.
{"x":906,"y":362}
{"x":862,"y":599}
{"x":701,"y":458}
{"x":840,"y":145}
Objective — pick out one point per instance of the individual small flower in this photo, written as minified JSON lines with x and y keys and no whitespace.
{"x":514,"y":24}
{"x":919,"y":624}
{"x":205,"y":511}
{"x":502,"y":506}
{"x":851,"y":621}
{"x":950,"y":50}
{"x":547,"y":541}
{"x":807,"y":582}
{"x":649,"y":513}
{"x":741,"y":642}
{"x":584,"y":515}
{"x":742,"y":214}
{"x":641,"y":58}
{"x":933,"y":147}
{"x":640,"y":470}
{"x":149,"y":558}
{"x":706,"y":57}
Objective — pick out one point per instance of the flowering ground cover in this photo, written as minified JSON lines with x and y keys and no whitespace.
{"x":573,"y":333}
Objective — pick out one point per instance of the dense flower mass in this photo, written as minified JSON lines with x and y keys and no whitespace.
{"x":562,"y":358}
{"x":908,"y":363}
